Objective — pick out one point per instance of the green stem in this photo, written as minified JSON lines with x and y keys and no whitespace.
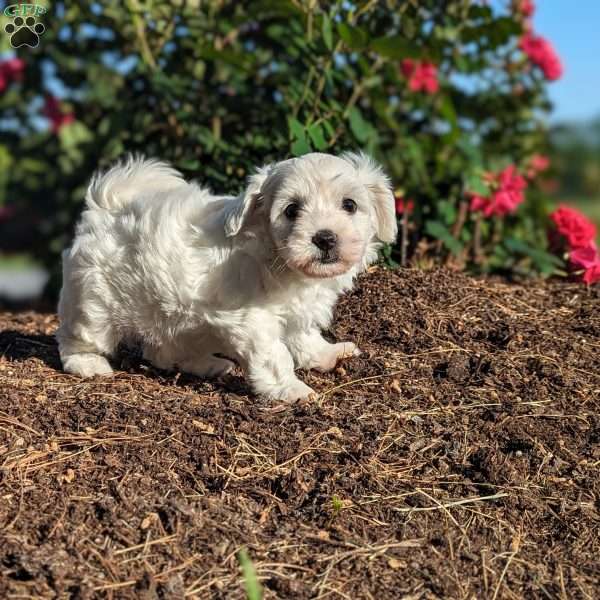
{"x":135,"y":10}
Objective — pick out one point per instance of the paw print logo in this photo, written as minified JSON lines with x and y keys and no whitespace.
{"x":24,"y":32}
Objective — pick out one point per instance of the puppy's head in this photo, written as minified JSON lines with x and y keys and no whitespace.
{"x":320,"y":211}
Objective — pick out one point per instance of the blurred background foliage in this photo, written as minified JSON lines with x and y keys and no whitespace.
{"x":576,"y":148}
{"x":219,"y":87}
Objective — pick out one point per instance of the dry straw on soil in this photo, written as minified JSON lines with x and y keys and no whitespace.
{"x":457,"y":458}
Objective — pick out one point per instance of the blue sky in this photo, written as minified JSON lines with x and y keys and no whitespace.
{"x":573,"y":26}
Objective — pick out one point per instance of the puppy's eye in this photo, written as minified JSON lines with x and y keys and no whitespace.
{"x":349,"y":205}
{"x":291,"y":211}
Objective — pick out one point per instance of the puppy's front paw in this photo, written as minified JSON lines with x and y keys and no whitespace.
{"x":334,"y":353}
{"x":292,"y":392}
{"x":86,"y":365}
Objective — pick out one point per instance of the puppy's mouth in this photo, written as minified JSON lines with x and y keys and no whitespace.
{"x":320,"y":263}
{"x":324,"y":266}
{"x":328,"y":258}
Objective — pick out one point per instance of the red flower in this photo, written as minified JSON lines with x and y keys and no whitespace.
{"x":53,"y":111}
{"x":6,"y":212}
{"x":578,"y":230}
{"x":506,"y":197}
{"x":402,"y":205}
{"x":538,"y":163}
{"x":592,"y":275}
{"x":525,"y":7}
{"x":11,"y":70}
{"x":541,"y":53}
{"x":422,"y":76}
{"x":587,"y":259}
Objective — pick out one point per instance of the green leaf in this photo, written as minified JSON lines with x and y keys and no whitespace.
{"x":327,"y":32}
{"x":268,"y":8}
{"x":503,"y":29}
{"x":251,"y":583}
{"x":359,"y":127}
{"x":329,"y":128}
{"x":449,"y":112}
{"x":296,"y":128}
{"x":315,"y":132}
{"x":395,"y":46}
{"x":475,"y":184}
{"x":439,"y":231}
{"x":547,"y":263}
{"x":477,"y":11}
{"x":73,"y":134}
{"x":32,"y":166}
{"x":355,"y":38}
{"x":448,"y":211}
{"x":470,"y":150}
{"x":300,"y":147}
{"x":189,"y":163}
{"x":415,"y":153}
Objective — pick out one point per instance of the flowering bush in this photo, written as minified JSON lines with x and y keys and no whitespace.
{"x":449,"y":96}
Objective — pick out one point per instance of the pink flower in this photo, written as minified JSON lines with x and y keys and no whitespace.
{"x":402,"y":205}
{"x":541,"y":53}
{"x":11,"y":70}
{"x":587,"y":259}
{"x":506,"y":197}
{"x":53,"y":112}
{"x":538,"y":163}
{"x":575,"y":227}
{"x":422,"y":76}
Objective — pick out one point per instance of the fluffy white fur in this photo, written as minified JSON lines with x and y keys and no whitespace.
{"x":192,"y":275}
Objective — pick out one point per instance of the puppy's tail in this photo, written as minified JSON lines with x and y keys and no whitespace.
{"x":116,"y":188}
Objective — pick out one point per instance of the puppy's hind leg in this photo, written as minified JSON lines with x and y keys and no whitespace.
{"x":207,"y":365}
{"x":86,"y":334}
{"x":196,"y":355}
{"x":160,"y":356}
{"x":202,"y":365}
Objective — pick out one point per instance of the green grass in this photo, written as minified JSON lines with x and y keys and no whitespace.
{"x":252,"y":585}
{"x":16,"y":262}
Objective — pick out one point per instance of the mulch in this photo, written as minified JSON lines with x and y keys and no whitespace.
{"x":458,"y":457}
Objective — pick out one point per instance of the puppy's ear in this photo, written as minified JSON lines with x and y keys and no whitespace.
{"x":246,"y":203}
{"x":377,"y":182}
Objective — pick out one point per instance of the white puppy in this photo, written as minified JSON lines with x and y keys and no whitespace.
{"x":196,"y":277}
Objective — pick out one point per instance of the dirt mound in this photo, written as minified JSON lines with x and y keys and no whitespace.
{"x":456,"y":458}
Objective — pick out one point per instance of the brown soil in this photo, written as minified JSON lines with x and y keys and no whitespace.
{"x":458,"y":457}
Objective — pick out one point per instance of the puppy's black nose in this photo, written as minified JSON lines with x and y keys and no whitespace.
{"x":324,"y":239}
